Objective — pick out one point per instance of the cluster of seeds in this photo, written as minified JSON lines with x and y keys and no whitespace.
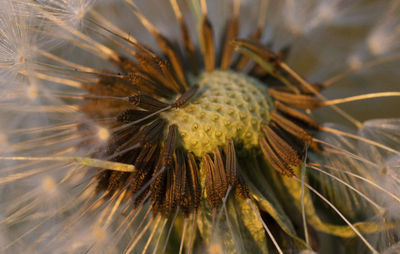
{"x":228,"y":105}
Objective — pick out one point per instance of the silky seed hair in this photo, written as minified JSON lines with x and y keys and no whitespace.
{"x":202,"y":142}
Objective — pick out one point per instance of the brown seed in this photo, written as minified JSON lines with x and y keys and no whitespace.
{"x":231,"y":163}
{"x":193,"y":175}
{"x":147,"y":102}
{"x":281,"y":147}
{"x":186,"y":96}
{"x":306,"y":120}
{"x":244,"y":60}
{"x":228,"y":49}
{"x":207,"y":44}
{"x":220,"y":179}
{"x":290,"y":127}
{"x":296,"y":100}
{"x":277,"y":163}
{"x":190,"y":51}
{"x":212,"y":194}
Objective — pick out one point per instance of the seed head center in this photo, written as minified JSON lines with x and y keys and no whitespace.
{"x":228,"y":105}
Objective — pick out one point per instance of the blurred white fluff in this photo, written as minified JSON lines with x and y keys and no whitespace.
{"x":385,"y":37}
{"x":302,"y":17}
{"x":382,"y":42}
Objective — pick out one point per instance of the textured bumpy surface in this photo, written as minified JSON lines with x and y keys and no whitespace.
{"x":227,"y":105}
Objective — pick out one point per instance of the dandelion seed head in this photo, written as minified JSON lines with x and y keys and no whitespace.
{"x":229,"y":106}
{"x":206,"y":141}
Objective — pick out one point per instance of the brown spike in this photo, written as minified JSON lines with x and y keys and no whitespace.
{"x":131,"y":115}
{"x":186,"y":96}
{"x":150,"y":132}
{"x":194,"y":180}
{"x":158,"y":187}
{"x":190,"y":50}
{"x":145,"y":155}
{"x":290,"y":127}
{"x":277,"y":163}
{"x":180,"y":178}
{"x":169,"y":146}
{"x":220,"y":179}
{"x":148,"y":85}
{"x":308,"y":121}
{"x":145,"y":162}
{"x":259,"y":49}
{"x":212,"y":195}
{"x":166,"y":70}
{"x":207,"y":43}
{"x":270,"y":61}
{"x":147,"y":102}
{"x":149,"y":63}
{"x":281,"y":147}
{"x":244,"y":60}
{"x":242,"y":190}
{"x":164,"y":44}
{"x":116,"y":181}
{"x":187,"y":42}
{"x":173,"y":57}
{"x":296,"y":100}
{"x":228,"y":49}
{"x":231,"y":163}
{"x":169,"y":203}
{"x":155,"y":134}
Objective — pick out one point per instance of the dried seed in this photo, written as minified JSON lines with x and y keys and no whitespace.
{"x":147,"y":102}
{"x":186,"y":96}
{"x":207,"y":44}
{"x":296,"y":100}
{"x":244,"y":60}
{"x":220,"y":179}
{"x":131,"y":115}
{"x":277,"y":163}
{"x":228,"y":49}
{"x":180,"y":183}
{"x":290,"y":127}
{"x":231,"y":163}
{"x":193,"y":174}
{"x":169,"y":146}
{"x":212,"y":194}
{"x":281,"y":147}
{"x":308,"y":121}
{"x":189,"y":47}
{"x":168,"y":73}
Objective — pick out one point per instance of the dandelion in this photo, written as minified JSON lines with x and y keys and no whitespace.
{"x":188,"y":131}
